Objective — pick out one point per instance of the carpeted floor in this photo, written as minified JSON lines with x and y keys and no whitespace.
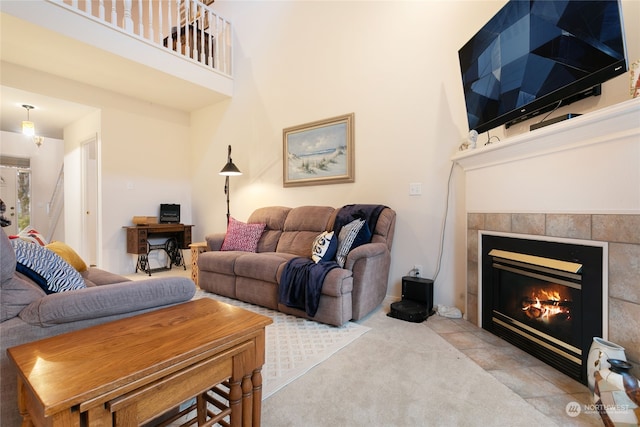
{"x":294,"y":345}
{"x":398,"y":374}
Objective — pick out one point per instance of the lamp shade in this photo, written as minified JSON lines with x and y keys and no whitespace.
{"x":230,"y":169}
{"x":28,"y":128}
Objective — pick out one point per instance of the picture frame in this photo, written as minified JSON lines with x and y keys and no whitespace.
{"x":320,"y":152}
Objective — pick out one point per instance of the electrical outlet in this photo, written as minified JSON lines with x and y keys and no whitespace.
{"x":417,"y":269}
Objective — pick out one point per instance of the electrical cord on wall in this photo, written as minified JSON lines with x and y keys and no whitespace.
{"x":444,"y":224}
{"x":489,"y":139}
{"x":551,"y":112}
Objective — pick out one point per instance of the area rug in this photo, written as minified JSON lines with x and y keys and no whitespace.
{"x":294,"y":345}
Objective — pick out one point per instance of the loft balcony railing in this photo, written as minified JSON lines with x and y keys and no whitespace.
{"x":188,"y":28}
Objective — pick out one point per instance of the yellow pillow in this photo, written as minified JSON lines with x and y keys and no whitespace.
{"x":68,"y":254}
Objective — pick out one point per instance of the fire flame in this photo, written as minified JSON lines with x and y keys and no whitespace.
{"x":547,"y":305}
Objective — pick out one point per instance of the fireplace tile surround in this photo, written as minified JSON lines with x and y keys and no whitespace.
{"x":621,"y":231}
{"x":576,"y":179}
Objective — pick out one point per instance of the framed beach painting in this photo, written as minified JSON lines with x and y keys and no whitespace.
{"x":320,"y":152}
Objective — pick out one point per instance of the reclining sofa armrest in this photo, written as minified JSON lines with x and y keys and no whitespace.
{"x":101,"y":301}
{"x":370,"y":264}
{"x":367,"y":250}
{"x":214,"y":241}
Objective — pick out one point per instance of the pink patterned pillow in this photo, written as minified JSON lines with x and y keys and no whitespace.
{"x":241,"y":236}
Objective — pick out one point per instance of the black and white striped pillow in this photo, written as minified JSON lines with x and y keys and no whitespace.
{"x":347,"y":236}
{"x":46,"y":268}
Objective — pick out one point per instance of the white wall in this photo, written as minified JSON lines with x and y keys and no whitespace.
{"x":388,"y":62}
{"x":144,"y":162}
{"x":143,"y":159}
{"x":46,"y":162}
{"x":394,"y":64}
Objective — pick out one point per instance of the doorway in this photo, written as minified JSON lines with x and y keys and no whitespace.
{"x":89,"y":182}
{"x":15,"y":192}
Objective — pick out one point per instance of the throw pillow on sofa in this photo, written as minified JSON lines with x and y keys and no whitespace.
{"x":32,"y":235}
{"x":68,"y":254}
{"x":46,"y":268}
{"x":351,"y":236}
{"x":324,"y":247}
{"x":242,"y":236}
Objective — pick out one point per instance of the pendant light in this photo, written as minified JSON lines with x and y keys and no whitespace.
{"x":28,"y":127}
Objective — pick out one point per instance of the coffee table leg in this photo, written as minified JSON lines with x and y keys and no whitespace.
{"x":235,"y":395}
{"x":247,"y":401}
{"x":256,"y":380}
{"x":22,"y":404}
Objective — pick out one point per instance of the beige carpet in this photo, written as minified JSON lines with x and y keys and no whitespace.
{"x":398,"y":374}
{"x":294,"y":345}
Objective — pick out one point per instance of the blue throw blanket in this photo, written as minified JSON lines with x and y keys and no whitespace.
{"x":301,"y":283}
{"x":348,"y":213}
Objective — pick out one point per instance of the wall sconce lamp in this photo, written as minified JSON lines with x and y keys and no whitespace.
{"x":229,"y":170}
{"x":28,"y":128}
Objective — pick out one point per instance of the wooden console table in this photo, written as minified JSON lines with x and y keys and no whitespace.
{"x":127,"y":372}
{"x":178,"y":237}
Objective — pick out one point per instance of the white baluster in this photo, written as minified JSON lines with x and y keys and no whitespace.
{"x":101,"y":10}
{"x":89,"y":11}
{"x":74,"y":4}
{"x":140,"y":23}
{"x":170,"y":34}
{"x":225,"y":49}
{"x":187,"y":45}
{"x":114,"y":14}
{"x":128,"y":22}
{"x":151,"y":35}
{"x":210,"y":41}
{"x":229,"y":45}
{"x":200,"y":27}
{"x":179,"y":5}
{"x":216,"y":60}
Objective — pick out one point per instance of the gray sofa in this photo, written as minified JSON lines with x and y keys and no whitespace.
{"x":29,"y":314}
{"x":347,"y":293}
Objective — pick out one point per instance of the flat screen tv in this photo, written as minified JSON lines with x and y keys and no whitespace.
{"x":533,"y":54}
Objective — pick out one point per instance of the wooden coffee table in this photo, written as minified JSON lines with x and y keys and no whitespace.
{"x":129,"y":371}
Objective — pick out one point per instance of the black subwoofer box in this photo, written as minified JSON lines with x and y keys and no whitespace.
{"x":417,"y":300}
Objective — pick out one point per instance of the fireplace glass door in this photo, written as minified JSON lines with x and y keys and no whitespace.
{"x":545,"y":306}
{"x":544,"y":297}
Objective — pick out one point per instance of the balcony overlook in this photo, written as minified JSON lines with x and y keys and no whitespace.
{"x":175,"y":53}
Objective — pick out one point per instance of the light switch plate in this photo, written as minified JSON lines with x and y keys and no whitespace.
{"x":415,"y":189}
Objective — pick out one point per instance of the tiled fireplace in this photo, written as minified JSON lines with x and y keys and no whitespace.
{"x":544,"y":295}
{"x":574,"y":180}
